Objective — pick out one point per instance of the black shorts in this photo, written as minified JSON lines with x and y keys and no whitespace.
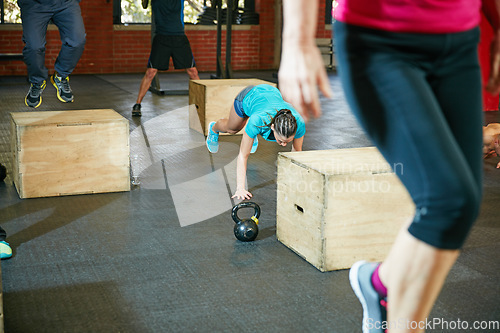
{"x":175,"y":46}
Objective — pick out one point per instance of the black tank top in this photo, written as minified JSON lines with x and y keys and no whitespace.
{"x":168,"y":16}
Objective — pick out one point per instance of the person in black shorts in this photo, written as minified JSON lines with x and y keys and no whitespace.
{"x":169,"y":41}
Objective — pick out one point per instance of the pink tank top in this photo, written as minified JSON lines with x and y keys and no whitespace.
{"x":419,"y":16}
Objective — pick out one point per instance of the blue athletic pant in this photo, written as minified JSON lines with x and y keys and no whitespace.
{"x":418,"y":97}
{"x":67,"y":16}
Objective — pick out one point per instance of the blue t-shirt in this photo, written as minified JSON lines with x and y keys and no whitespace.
{"x":168,"y":16}
{"x":260,"y":105}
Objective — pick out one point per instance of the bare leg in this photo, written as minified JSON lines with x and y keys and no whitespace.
{"x":146,"y":83}
{"x":193,"y":73}
{"x":414,"y":273}
{"x":232,"y":125}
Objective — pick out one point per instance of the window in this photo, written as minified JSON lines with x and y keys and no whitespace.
{"x":131,"y":11}
{"x":9,"y":12}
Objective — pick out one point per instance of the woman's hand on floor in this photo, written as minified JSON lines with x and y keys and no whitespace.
{"x":242,"y":194}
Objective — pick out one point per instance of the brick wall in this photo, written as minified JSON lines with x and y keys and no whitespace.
{"x":112,"y":49}
{"x":10,"y":42}
{"x":98,"y":56}
{"x":266,"y":10}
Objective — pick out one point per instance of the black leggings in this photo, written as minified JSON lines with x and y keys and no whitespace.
{"x":418,"y":96}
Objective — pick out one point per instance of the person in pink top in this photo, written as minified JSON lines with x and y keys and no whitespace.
{"x":410,"y":73}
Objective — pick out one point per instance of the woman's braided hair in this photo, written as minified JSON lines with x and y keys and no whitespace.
{"x":284,"y":123}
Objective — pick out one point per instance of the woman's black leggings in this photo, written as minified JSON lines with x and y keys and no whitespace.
{"x":418,"y":96}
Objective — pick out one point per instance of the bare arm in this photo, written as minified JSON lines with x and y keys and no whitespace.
{"x":297,"y":144}
{"x":496,"y":147}
{"x":301,"y":69}
{"x":241,"y":168}
{"x":491,"y":9}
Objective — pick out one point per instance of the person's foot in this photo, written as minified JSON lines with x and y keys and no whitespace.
{"x":212,"y":139}
{"x":3,"y":172}
{"x":5,"y":250}
{"x":64,"y":93}
{"x":136,"y":110}
{"x":34,"y":97}
{"x":374,"y":306}
{"x":255,"y":145}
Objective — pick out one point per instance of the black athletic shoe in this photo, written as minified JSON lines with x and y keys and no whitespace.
{"x":34,"y":97}
{"x":64,"y":93}
{"x":136,"y":110}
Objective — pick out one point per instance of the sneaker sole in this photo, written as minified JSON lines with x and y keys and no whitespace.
{"x":353,"y":279}
{"x":58,"y":95}
{"x":136,"y":113}
{"x":206,"y":144}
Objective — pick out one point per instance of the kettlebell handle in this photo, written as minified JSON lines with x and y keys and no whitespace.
{"x":234,"y":212}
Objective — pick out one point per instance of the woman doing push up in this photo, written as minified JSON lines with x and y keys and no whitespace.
{"x":264,"y":112}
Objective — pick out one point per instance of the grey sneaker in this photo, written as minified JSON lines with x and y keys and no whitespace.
{"x":34,"y":97}
{"x":136,"y":110}
{"x":212,"y":139}
{"x":64,"y":93}
{"x":374,"y":306}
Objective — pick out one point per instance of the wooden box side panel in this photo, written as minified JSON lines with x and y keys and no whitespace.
{"x":220,"y":99}
{"x":299,"y":210}
{"x":363,"y":216}
{"x":62,"y":160}
{"x":197,"y":106}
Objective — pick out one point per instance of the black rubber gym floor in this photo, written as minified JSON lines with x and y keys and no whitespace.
{"x":163,"y":258}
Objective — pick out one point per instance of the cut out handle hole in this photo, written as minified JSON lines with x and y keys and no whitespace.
{"x":300,"y":209}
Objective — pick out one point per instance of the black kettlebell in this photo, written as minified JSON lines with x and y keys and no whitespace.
{"x":246,"y":230}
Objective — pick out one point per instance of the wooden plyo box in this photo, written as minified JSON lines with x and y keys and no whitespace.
{"x":210,"y":100}
{"x":336,"y":207}
{"x":70,"y":152}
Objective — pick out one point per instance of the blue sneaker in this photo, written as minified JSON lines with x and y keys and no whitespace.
{"x":5,"y":250}
{"x":255,"y":145}
{"x":212,"y":139}
{"x":374,"y":306}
